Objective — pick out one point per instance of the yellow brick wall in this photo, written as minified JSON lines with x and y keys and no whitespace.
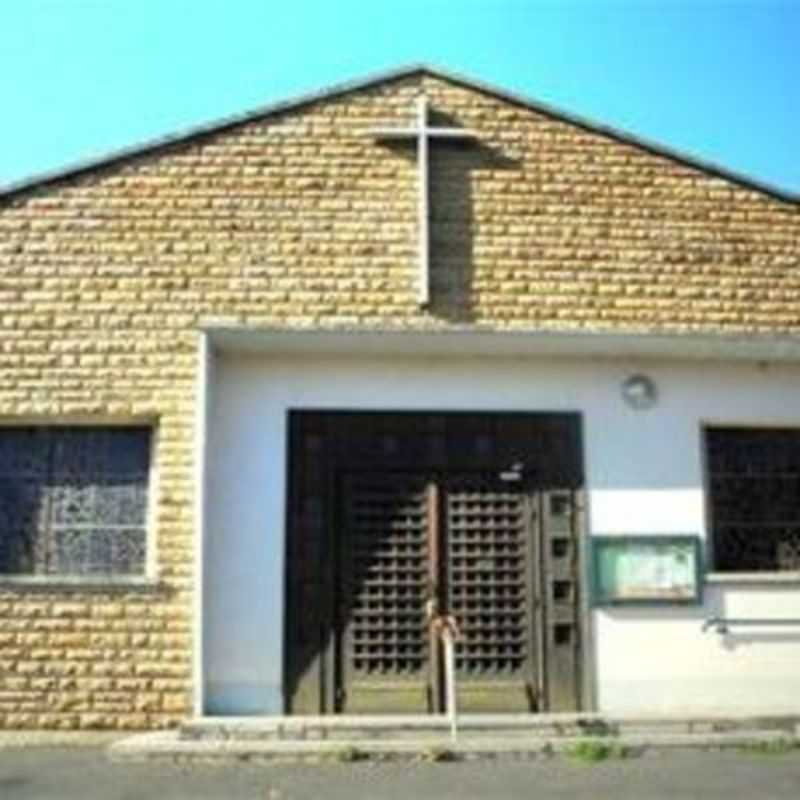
{"x":302,"y":220}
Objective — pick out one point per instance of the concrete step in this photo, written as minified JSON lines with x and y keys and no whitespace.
{"x":172,"y":746}
{"x":507,"y":726}
{"x":345,"y":738}
{"x":379,"y":727}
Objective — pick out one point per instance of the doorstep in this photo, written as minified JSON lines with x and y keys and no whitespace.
{"x":414,"y":737}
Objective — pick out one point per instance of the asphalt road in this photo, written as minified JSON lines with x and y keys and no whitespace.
{"x":86,"y":774}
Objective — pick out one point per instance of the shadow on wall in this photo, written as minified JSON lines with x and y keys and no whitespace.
{"x":713,"y":606}
{"x":453,"y":168}
{"x":19,"y":522}
{"x":673,"y":613}
{"x":738,"y":637}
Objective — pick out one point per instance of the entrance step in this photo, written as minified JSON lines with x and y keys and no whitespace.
{"x":334,"y":728}
{"x":546,"y":726}
{"x":516,"y":736}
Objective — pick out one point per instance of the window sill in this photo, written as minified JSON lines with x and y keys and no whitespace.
{"x":752,"y":578}
{"x":80,"y":583}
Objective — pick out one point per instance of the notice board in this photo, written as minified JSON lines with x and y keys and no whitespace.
{"x":646,"y":569}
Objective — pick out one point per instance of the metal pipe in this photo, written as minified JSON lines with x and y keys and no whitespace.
{"x":444,"y":628}
{"x":450,"y":681}
{"x":721,"y":624}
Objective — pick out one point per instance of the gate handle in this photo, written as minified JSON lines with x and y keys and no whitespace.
{"x":440,"y":624}
{"x":445,"y":625}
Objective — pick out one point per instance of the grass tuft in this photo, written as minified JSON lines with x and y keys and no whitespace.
{"x":349,"y":754}
{"x":437,"y":755}
{"x":771,"y":747}
{"x":592,"y":750}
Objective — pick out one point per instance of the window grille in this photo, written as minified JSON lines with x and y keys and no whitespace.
{"x":754,"y":498}
{"x":73,"y":500}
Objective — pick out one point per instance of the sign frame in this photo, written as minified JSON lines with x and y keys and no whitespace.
{"x":601,"y":597}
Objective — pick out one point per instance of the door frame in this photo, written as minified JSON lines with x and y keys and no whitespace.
{"x":438,"y":487}
{"x":326,"y":668}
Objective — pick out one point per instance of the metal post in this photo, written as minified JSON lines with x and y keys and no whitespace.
{"x":450,"y":680}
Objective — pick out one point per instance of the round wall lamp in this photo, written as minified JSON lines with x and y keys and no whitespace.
{"x":639,"y":392}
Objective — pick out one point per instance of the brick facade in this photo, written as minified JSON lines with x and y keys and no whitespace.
{"x":302,"y":219}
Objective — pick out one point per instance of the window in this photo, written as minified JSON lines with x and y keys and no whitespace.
{"x":73,"y":500}
{"x":754,"y":498}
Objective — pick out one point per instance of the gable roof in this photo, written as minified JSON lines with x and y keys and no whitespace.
{"x":45,"y":179}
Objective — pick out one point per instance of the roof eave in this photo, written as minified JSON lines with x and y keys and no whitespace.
{"x":45,"y":179}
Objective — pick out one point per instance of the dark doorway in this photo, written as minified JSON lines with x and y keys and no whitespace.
{"x":478,"y":514}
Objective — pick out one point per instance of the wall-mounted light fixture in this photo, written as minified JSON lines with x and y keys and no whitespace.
{"x":639,"y":392}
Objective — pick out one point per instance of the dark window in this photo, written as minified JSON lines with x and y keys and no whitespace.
{"x":73,"y":500}
{"x":754,"y":498}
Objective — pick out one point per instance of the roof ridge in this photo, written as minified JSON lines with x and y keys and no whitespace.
{"x":43,"y":179}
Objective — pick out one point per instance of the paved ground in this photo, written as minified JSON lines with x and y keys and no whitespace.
{"x":86,"y":774}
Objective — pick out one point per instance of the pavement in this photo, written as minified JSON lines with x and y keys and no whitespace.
{"x":86,"y":773}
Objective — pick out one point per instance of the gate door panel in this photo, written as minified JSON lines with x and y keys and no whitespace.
{"x":491,"y":593}
{"x":560,"y":514}
{"x":384,"y":573}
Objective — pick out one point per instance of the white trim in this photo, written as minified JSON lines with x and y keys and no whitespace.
{"x":751,"y":578}
{"x":151,"y":517}
{"x":204,"y":357}
{"x":471,"y":342}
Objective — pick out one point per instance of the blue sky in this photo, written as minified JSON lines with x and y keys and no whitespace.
{"x":717,"y":79}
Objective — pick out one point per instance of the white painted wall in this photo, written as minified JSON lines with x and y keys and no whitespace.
{"x":644,"y":475}
{"x":204,"y":382}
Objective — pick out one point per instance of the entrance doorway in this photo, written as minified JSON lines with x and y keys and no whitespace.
{"x":475,"y":515}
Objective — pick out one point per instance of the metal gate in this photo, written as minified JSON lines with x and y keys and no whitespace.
{"x":488,"y":539}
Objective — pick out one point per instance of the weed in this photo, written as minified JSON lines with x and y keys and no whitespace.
{"x":348,"y":754}
{"x":437,"y":755}
{"x":771,"y":747}
{"x":593,"y":750}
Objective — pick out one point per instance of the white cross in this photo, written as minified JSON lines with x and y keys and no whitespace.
{"x":422,"y":133}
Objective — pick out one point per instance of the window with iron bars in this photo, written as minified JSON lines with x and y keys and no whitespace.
{"x":754,"y":498}
{"x":73,"y":500}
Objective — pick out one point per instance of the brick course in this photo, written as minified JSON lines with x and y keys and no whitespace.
{"x":300,"y":220}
